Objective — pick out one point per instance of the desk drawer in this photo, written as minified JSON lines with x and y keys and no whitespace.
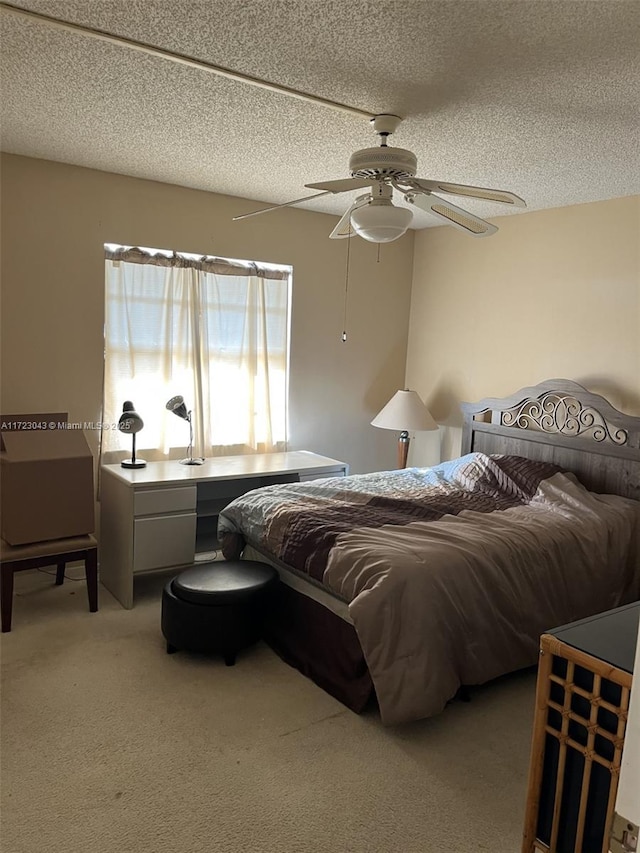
{"x":155,"y":501}
{"x":164,"y":541}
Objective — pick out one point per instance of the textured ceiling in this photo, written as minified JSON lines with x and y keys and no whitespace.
{"x":539,"y":97}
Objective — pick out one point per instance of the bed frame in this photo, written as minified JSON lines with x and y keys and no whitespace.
{"x":556,"y":421}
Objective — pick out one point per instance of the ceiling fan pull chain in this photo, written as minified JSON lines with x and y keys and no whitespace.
{"x":346,"y":289}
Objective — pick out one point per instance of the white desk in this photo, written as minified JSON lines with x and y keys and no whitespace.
{"x":159,"y":517}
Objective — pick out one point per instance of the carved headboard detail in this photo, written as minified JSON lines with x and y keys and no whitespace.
{"x":563,"y":414}
{"x":560,"y":421}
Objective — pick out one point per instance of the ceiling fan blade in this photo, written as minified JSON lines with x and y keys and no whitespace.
{"x":452,"y":215}
{"x":278,"y":206}
{"x":484,"y":193}
{"x":343,"y":186}
{"x":343,"y":228}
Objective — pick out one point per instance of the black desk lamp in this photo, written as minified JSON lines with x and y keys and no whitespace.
{"x":131,"y":422}
{"x":177,"y":406}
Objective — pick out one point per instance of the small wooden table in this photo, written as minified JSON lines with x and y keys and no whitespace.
{"x":58,"y":552}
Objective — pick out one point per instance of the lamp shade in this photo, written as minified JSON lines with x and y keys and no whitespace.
{"x":380,"y":221}
{"x":177,"y":406}
{"x":405,"y":411}
{"x":130,"y":421}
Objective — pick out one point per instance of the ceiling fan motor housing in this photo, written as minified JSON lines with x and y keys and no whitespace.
{"x":383,"y":162}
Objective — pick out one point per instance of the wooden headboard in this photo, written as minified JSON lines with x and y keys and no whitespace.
{"x":560,"y":421}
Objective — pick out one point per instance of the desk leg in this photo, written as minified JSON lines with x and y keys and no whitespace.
{"x":116,"y":540}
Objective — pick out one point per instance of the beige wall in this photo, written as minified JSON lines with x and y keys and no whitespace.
{"x":55,"y":220}
{"x":554,"y":293}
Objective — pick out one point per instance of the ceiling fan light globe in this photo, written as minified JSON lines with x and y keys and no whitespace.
{"x":381,"y":223}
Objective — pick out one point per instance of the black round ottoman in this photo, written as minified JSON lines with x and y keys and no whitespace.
{"x":217,"y":607}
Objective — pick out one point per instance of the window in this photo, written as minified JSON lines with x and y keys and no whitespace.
{"x":212,"y":329}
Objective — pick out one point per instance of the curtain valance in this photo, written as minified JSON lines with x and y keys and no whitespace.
{"x":205,"y":263}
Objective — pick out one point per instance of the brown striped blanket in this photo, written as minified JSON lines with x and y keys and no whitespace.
{"x":451,"y":573}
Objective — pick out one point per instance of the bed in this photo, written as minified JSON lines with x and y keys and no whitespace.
{"x":405,"y":586}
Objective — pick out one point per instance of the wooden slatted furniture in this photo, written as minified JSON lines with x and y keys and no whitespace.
{"x":58,"y":552}
{"x":582,"y":702}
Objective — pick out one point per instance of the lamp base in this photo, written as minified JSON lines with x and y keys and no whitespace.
{"x":403,"y":449}
{"x":133,"y":463}
{"x":198,"y":460}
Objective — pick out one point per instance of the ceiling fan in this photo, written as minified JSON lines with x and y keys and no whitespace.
{"x":381,"y":170}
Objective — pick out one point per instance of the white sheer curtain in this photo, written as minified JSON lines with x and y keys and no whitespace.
{"x":213,"y":330}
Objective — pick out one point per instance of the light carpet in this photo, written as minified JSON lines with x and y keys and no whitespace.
{"x":109,"y":745}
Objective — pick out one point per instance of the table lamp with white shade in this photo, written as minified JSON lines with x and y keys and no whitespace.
{"x":405,"y":411}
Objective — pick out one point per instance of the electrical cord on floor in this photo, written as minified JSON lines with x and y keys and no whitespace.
{"x":66,"y":576}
